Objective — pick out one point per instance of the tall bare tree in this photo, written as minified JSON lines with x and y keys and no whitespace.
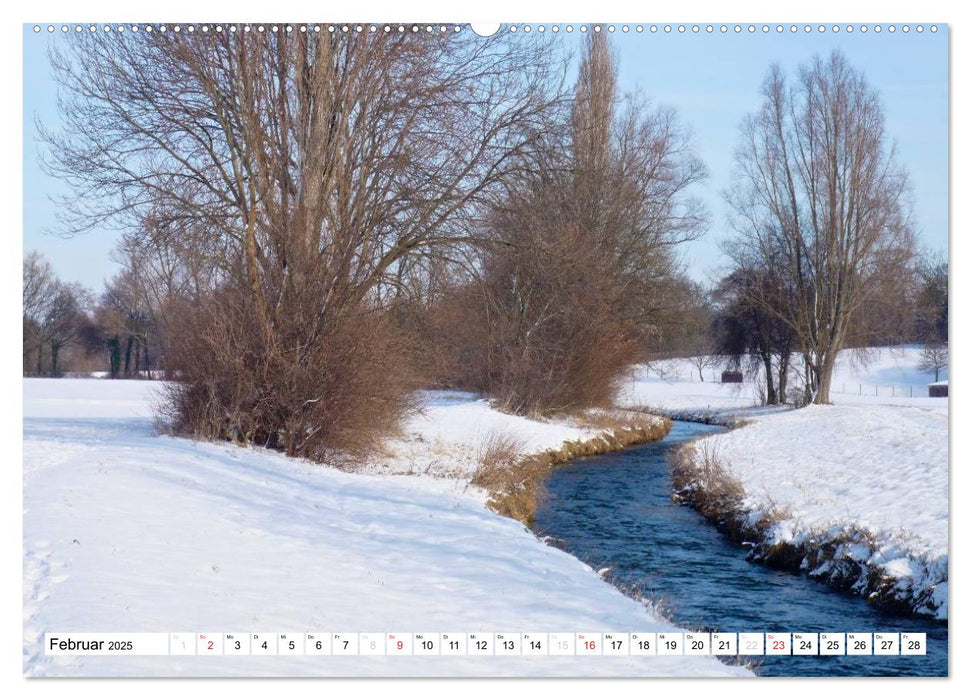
{"x":820,"y":196}
{"x":746,"y":329}
{"x":573,"y":253}
{"x":317,"y":167}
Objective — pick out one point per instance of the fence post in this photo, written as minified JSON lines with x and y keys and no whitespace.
{"x":861,"y":390}
{"x":893,"y":389}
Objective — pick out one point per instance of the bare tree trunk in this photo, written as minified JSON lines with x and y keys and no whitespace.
{"x":770,"y":395}
{"x":783,"y":376}
{"x":114,"y":356}
{"x":810,"y":373}
{"x":128,"y":349}
{"x":828,"y":364}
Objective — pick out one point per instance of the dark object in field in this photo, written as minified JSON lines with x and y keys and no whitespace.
{"x":937,"y":390}
{"x":731,"y":377}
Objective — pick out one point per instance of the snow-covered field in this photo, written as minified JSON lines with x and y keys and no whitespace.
{"x":128,"y":531}
{"x":881,"y":376}
{"x":125,"y":530}
{"x":874,"y":462}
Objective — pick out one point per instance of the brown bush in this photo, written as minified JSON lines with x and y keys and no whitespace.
{"x":340,"y":393}
{"x":541,"y":330}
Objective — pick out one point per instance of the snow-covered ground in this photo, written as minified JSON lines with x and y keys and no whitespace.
{"x":447,"y":437}
{"x":128,"y":531}
{"x":875,"y":462}
{"x":879,"y":376}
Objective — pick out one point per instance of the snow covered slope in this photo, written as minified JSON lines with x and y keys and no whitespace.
{"x":127,"y":531}
{"x":875,"y":464}
{"x":880,"y":471}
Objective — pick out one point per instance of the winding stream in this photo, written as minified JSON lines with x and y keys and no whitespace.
{"x":616,"y":511}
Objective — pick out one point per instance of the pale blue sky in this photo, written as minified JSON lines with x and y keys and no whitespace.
{"x":713,"y":80}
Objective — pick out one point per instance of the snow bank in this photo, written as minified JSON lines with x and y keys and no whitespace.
{"x":862,"y":484}
{"x":124,"y":530}
{"x":447,"y":437}
{"x":871,"y":483}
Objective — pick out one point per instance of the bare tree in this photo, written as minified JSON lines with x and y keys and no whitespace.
{"x":316,"y":168}
{"x":130,"y":325}
{"x":818,"y":193}
{"x":63,"y":320}
{"x":931,"y":309}
{"x":697,"y":341}
{"x":54,"y":316}
{"x":573,"y":252}
{"x":886,"y":314}
{"x":933,"y":358}
{"x":39,"y":290}
{"x":746,"y":330}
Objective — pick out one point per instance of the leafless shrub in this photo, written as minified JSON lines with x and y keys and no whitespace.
{"x":617,"y":420}
{"x":797,"y":396}
{"x":500,"y":450}
{"x":347,"y":391}
{"x":701,"y":480}
{"x":758,"y":387}
{"x":666,"y":370}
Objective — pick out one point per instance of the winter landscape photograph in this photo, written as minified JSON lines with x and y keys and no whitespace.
{"x":460,"y":351}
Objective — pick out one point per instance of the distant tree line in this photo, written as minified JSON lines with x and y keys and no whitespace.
{"x":68,"y":329}
{"x":55,"y":317}
{"x":317,"y":225}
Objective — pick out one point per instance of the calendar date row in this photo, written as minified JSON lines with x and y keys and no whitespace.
{"x":488,"y":644}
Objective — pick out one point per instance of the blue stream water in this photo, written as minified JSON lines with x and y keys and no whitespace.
{"x":616,"y":511}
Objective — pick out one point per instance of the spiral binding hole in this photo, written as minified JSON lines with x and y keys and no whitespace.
{"x":511,"y":28}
